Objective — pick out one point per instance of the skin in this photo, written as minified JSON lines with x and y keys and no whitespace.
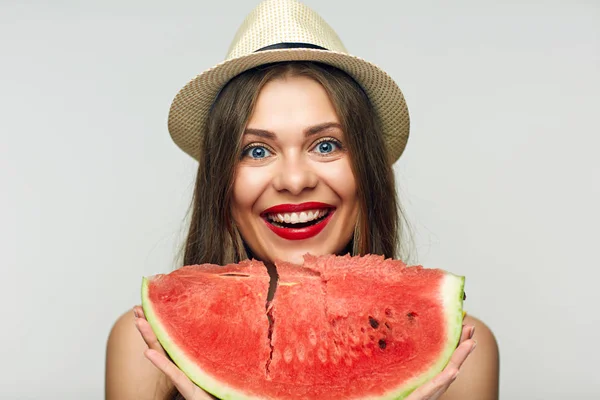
{"x":295,"y":131}
{"x":294,"y":171}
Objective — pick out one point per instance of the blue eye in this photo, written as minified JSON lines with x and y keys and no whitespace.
{"x":257,"y":152}
{"x":327,"y":146}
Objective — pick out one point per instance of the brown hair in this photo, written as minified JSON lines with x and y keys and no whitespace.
{"x":212,"y":236}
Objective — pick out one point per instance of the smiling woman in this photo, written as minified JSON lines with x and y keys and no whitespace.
{"x":295,"y":145}
{"x":298,"y":186}
{"x":302,"y":128}
{"x":304,"y":172}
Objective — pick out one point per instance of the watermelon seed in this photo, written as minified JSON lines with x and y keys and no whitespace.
{"x":312,"y":337}
{"x":388,"y":313}
{"x":374,"y":323}
{"x":411,"y":316}
{"x":362,"y":329}
{"x":382,"y":344}
{"x":236,"y":274}
{"x":288,"y":355}
{"x":388,"y":326}
{"x":300,"y":352}
{"x":322,"y":354}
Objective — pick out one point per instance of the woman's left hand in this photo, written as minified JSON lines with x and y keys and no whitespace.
{"x":436,"y":387}
{"x":157,"y":356}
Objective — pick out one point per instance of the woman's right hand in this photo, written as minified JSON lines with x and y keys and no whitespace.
{"x":436,"y":387}
{"x":157,"y":356}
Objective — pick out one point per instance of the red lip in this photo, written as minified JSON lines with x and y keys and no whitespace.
{"x":298,"y":233}
{"x":288,"y":208}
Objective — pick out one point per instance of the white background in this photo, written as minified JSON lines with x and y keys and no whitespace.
{"x":500,"y":177}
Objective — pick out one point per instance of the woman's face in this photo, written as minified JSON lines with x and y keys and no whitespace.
{"x":294,"y":191}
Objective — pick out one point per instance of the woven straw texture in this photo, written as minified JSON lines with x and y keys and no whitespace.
{"x":286,"y":21}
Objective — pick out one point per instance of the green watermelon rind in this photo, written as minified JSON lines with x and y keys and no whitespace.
{"x":452,"y":292}
{"x":177,"y":354}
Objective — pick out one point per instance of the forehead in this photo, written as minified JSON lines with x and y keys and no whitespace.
{"x":292,"y":104}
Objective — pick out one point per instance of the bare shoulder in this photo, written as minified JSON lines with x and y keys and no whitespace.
{"x":129,"y":375}
{"x":479,"y":376}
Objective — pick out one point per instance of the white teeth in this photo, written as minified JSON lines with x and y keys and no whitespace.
{"x":303,"y":217}
{"x":295,"y":218}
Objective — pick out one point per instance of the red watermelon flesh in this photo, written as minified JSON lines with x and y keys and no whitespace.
{"x":338,"y":327}
{"x":213,"y":318}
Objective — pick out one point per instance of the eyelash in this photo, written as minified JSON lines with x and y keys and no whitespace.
{"x":249,"y":147}
{"x":329,"y":139}
{"x":339,"y":145}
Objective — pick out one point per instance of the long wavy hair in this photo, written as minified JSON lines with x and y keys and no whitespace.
{"x":212,"y":236}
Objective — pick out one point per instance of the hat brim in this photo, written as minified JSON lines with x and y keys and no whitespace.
{"x":190,"y":107}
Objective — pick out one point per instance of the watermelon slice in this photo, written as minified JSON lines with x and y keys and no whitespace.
{"x":338,"y":327}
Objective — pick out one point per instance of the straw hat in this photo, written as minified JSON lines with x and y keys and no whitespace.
{"x":286,"y":30}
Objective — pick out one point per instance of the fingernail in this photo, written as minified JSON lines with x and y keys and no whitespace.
{"x":474,"y":345}
{"x":472,"y":332}
{"x":135,"y":314}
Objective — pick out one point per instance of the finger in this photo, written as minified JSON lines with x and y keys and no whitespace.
{"x":148,"y":335}
{"x":449,"y":374}
{"x":138,"y":311}
{"x":464,"y":335}
{"x":184,"y":385}
{"x":444,"y":386}
{"x":461,"y":353}
{"x":435,"y":387}
{"x":467,"y":333}
{"x":441,"y":391}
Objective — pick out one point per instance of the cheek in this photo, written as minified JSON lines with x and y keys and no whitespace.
{"x":341,"y":179}
{"x":248,"y":185}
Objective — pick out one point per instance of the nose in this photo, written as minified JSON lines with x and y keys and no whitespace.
{"x":295,"y":175}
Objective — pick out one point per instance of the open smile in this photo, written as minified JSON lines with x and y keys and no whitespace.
{"x":298,"y":221}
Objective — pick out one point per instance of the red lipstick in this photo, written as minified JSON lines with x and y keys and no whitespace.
{"x":291,"y":233}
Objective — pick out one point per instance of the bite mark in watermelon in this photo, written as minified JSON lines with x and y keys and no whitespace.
{"x":337,"y":327}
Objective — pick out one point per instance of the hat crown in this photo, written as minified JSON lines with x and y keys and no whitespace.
{"x":283,"y":21}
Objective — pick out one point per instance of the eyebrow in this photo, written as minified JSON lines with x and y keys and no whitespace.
{"x":313,"y":130}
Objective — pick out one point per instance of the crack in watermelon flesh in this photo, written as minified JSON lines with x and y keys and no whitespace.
{"x":338,"y":327}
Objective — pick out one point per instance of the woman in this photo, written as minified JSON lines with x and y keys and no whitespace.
{"x":289,"y":121}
